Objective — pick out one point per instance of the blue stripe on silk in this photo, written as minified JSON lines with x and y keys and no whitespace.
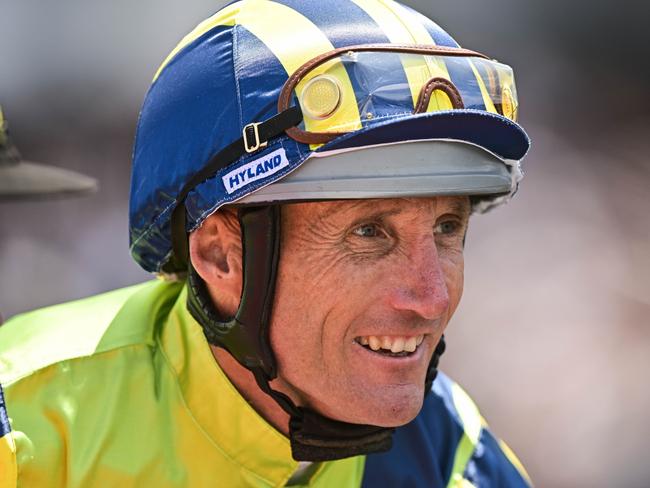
{"x":489,"y":466}
{"x":423,"y":450}
{"x":5,"y":427}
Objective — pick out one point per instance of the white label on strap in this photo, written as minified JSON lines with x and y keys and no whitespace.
{"x":256,"y":170}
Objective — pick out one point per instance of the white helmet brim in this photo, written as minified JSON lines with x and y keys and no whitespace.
{"x":406,"y":169}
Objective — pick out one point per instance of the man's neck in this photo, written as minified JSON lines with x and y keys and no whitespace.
{"x":245,"y":383}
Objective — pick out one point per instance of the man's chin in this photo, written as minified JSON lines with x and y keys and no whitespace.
{"x":397,"y":416}
{"x":387,"y":411}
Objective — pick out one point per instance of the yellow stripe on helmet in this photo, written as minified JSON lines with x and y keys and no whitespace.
{"x":405,"y":27}
{"x":299,"y":41}
{"x":437,"y":67}
{"x":402,"y":28}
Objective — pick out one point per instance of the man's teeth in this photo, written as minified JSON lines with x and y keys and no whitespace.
{"x":394,"y":344}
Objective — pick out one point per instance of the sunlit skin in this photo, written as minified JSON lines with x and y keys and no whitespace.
{"x":348,"y":269}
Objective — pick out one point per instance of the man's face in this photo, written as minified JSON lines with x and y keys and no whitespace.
{"x":360,"y":285}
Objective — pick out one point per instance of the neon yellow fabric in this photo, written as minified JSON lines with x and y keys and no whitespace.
{"x":7,"y":461}
{"x":105,"y":392}
{"x":457,"y":481}
{"x":472,"y":422}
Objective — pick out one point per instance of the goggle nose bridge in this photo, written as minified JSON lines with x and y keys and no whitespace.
{"x":442,"y":85}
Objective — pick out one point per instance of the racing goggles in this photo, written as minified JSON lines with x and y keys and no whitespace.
{"x":349,"y":88}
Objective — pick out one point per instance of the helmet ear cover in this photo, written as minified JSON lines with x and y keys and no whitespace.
{"x":246,"y":336}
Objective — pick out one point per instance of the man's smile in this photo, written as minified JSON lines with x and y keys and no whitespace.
{"x":395,"y":346}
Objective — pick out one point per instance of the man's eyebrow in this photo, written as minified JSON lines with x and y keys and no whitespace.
{"x":345,"y":205}
{"x":461,"y":207}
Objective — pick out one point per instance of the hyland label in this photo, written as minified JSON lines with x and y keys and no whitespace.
{"x":255,"y":170}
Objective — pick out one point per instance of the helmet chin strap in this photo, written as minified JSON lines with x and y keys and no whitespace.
{"x":246,"y":337}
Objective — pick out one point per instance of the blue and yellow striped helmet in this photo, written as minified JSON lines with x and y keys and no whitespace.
{"x":346,"y":74}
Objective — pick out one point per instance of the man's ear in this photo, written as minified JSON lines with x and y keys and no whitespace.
{"x":216,"y":254}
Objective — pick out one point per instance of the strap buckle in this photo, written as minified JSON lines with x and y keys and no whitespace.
{"x":252,"y":130}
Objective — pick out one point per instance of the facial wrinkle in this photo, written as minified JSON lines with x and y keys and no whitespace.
{"x":314,"y":250}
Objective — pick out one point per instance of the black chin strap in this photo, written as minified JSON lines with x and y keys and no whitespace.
{"x":313,"y":437}
{"x":317,"y":438}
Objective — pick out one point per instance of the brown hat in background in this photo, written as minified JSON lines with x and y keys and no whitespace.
{"x":26,"y":180}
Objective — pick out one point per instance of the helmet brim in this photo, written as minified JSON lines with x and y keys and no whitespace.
{"x":460,"y":152}
{"x":407,"y":169}
{"x":495,"y":133}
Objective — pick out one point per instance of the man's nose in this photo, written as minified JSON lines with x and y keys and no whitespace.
{"x":420,"y":286}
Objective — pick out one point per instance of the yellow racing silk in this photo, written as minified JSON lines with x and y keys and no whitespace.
{"x":122,"y":390}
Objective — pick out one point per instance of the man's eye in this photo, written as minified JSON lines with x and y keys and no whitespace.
{"x":447,"y":227}
{"x":367,"y":230}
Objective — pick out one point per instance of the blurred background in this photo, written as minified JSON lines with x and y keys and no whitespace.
{"x":552,"y":338}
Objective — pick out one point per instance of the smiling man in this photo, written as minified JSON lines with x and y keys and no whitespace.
{"x":364,"y":293}
{"x":303,"y":177}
